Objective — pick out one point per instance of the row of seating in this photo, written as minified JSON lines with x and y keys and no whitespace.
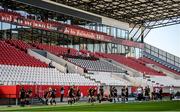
{"x":9,"y":55}
{"x":108,"y":79}
{"x":137,"y":64}
{"x":165,"y":81}
{"x":150,"y":61}
{"x":161,"y":63}
{"x":132,"y":63}
{"x":95,"y":65}
{"x":40,"y":76}
{"x":19,"y":44}
{"x":57,"y":50}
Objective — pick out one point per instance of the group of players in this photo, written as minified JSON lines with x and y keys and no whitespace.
{"x":25,"y":96}
{"x":113,"y":96}
{"x":50,"y":95}
{"x":74,"y":94}
{"x":144,"y":94}
{"x":93,"y":93}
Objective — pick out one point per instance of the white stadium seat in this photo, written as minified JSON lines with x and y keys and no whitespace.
{"x":12,"y":75}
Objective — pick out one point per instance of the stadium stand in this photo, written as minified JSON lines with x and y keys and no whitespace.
{"x":131,"y":62}
{"x":11,"y":56}
{"x":108,"y":79}
{"x":95,"y":65}
{"x":57,"y":50}
{"x":12,"y":75}
{"x":164,"y":81}
{"x":19,"y":44}
{"x":150,"y":61}
{"x":85,"y":46}
{"x":162,"y":63}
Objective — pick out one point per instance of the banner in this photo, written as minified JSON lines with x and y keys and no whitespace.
{"x":86,"y":34}
{"x":27,"y":22}
{"x":66,"y":29}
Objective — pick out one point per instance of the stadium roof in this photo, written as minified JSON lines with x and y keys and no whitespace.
{"x":150,"y":13}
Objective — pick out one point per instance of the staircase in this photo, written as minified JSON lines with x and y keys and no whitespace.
{"x":87,"y":75}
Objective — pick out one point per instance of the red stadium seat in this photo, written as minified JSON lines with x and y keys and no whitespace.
{"x":11,"y":56}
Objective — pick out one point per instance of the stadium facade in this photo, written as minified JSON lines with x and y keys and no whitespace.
{"x":96,"y":42}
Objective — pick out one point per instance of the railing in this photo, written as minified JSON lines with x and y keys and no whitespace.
{"x":165,"y":56}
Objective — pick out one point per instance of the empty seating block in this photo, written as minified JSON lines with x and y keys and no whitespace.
{"x":132,"y":63}
{"x":165,"y":81}
{"x":95,"y":65}
{"x":11,"y":75}
{"x":108,"y":79}
{"x":9,"y":55}
{"x":19,"y":44}
{"x":57,"y":50}
{"x":148,"y":58}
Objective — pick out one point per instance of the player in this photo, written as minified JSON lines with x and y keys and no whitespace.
{"x":28,"y":95}
{"x":101,"y":94}
{"x":111,"y":93}
{"x":114,"y":94}
{"x":78,"y":94}
{"x":22,"y":96}
{"x":53,"y":96}
{"x":89,"y":94}
{"x":147,"y":93}
{"x":71,"y":95}
{"x":46,"y":96}
{"x":123,"y":94}
{"x":126,"y":94}
{"x":171,"y":91}
{"x":139,"y":93}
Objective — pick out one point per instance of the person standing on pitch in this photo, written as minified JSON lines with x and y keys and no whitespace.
{"x":71,"y":95}
{"x":161,"y":93}
{"x":123,"y":94}
{"x":127,"y":93}
{"x":171,"y":91}
{"x":22,"y":96}
{"x":78,"y":94}
{"x":53,"y":96}
{"x":139,"y":93}
{"x":101,"y":93}
{"x":147,"y":92}
{"x":115,"y":94}
{"x":62,"y":94}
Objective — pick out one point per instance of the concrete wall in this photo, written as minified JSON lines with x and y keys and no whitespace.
{"x":72,"y":68}
{"x":42,"y":58}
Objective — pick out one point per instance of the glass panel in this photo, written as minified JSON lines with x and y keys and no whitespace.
{"x":96,"y":47}
{"x":102,"y":47}
{"x":123,"y":34}
{"x":109,"y":47}
{"x":123,"y":49}
{"x":90,"y":45}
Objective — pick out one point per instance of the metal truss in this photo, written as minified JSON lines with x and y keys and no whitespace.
{"x":131,"y":11}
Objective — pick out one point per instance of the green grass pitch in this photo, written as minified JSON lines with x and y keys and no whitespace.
{"x":139,"y":106}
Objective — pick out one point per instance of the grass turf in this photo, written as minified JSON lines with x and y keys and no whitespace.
{"x":141,"y":106}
